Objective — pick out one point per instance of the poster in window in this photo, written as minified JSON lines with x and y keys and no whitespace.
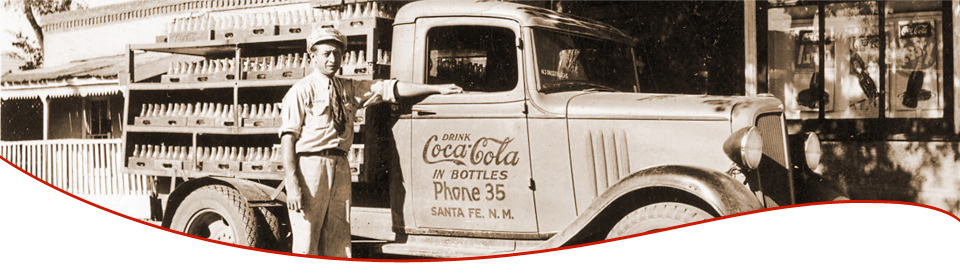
{"x":806,"y":78}
{"x":861,"y":73}
{"x":915,"y":83}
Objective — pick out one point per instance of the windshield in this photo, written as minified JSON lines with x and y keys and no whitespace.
{"x":569,"y":62}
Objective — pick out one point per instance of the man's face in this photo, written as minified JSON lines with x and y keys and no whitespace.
{"x":327,"y":57}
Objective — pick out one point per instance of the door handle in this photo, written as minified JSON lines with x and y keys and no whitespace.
{"x":423,"y":112}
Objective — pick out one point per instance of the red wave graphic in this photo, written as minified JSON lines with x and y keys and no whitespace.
{"x":46,"y":224}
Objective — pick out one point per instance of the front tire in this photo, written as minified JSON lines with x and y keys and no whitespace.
{"x":657,"y":216}
{"x":220,"y":213}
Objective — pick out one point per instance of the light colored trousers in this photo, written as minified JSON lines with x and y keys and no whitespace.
{"x":322,"y":227}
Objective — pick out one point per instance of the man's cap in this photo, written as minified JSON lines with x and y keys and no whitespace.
{"x":324,"y":34}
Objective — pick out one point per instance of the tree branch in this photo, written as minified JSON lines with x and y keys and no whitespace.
{"x":28,"y":12}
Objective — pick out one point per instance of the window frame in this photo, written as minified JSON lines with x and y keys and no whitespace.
{"x":424,"y":25}
{"x":88,"y":118}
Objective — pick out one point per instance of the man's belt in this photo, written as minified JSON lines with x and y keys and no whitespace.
{"x":332,"y":152}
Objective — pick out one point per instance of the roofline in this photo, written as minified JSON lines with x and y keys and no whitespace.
{"x":43,"y":84}
{"x":25,"y":84}
{"x":143,"y":9}
{"x":62,"y":89}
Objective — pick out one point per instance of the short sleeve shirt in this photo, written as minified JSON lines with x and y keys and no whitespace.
{"x":305,"y":109}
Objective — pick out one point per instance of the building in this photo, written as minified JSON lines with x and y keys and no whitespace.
{"x":63,"y":122}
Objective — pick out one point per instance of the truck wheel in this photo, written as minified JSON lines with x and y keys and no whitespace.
{"x":657,"y":216}
{"x":220,"y":213}
{"x":276,"y":228}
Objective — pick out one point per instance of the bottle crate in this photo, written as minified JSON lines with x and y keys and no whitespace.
{"x":186,"y":115}
{"x":197,"y":78}
{"x":140,"y":162}
{"x":190,"y":36}
{"x":160,"y":121}
{"x":260,"y":115}
{"x":295,"y":29}
{"x":271,"y":167}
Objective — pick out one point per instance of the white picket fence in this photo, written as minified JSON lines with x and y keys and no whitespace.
{"x":78,"y":166}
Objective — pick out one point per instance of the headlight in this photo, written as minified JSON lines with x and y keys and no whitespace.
{"x":745,"y":148}
{"x":811,"y":150}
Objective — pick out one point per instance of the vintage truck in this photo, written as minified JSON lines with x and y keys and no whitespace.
{"x":554,"y":143}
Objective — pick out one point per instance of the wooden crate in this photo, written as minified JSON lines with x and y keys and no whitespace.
{"x":268,"y":167}
{"x":226,"y":122}
{"x":139,"y":163}
{"x":228,"y":34}
{"x":221,"y":167}
{"x":196,"y":121}
{"x":260,"y":122}
{"x":160,"y":121}
{"x":304,"y":29}
{"x":291,"y":73}
{"x":199,"y":78}
{"x":190,"y":36}
{"x":165,"y":164}
{"x":261,"y":31}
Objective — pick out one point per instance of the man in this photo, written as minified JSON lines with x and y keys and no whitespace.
{"x":317,"y":132}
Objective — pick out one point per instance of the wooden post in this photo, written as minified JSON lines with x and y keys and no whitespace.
{"x":955,"y":7}
{"x":750,"y":46}
{"x":46,"y":115}
{"x":1,"y":120}
{"x":83,"y":117}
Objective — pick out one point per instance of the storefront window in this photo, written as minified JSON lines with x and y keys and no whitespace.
{"x":849,"y":83}
{"x":916,"y":72}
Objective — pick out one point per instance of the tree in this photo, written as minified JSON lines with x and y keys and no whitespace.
{"x":29,"y":52}
{"x":33,"y":54}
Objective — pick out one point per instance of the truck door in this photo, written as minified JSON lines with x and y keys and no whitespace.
{"x":470,"y":152}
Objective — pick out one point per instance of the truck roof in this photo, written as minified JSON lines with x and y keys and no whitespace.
{"x":528,"y":16}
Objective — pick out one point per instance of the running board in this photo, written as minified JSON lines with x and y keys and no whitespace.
{"x":448,"y":247}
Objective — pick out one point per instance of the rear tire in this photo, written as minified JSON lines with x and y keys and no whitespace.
{"x":276,"y":228}
{"x":220,"y":213}
{"x":657,"y":216}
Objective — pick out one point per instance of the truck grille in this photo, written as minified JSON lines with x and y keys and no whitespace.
{"x":774,"y":146}
{"x":775,"y":178}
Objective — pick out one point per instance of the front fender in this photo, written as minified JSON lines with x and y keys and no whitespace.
{"x":720,"y":192}
{"x":725,"y":194}
{"x":255,"y":193}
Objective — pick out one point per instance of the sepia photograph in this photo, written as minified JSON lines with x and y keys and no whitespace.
{"x":430,"y":130}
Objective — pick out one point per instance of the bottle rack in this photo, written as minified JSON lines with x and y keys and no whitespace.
{"x":223,"y":110}
{"x":368,"y":50}
{"x":208,"y":27}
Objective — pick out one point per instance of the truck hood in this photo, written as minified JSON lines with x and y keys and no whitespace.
{"x":594,"y":105}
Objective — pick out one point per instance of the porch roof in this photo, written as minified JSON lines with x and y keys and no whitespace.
{"x":80,"y":87}
{"x":89,"y":77}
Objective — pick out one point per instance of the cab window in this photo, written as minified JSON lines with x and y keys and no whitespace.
{"x":477,"y":58}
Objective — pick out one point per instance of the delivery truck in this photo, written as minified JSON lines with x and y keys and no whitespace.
{"x":553,"y":143}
